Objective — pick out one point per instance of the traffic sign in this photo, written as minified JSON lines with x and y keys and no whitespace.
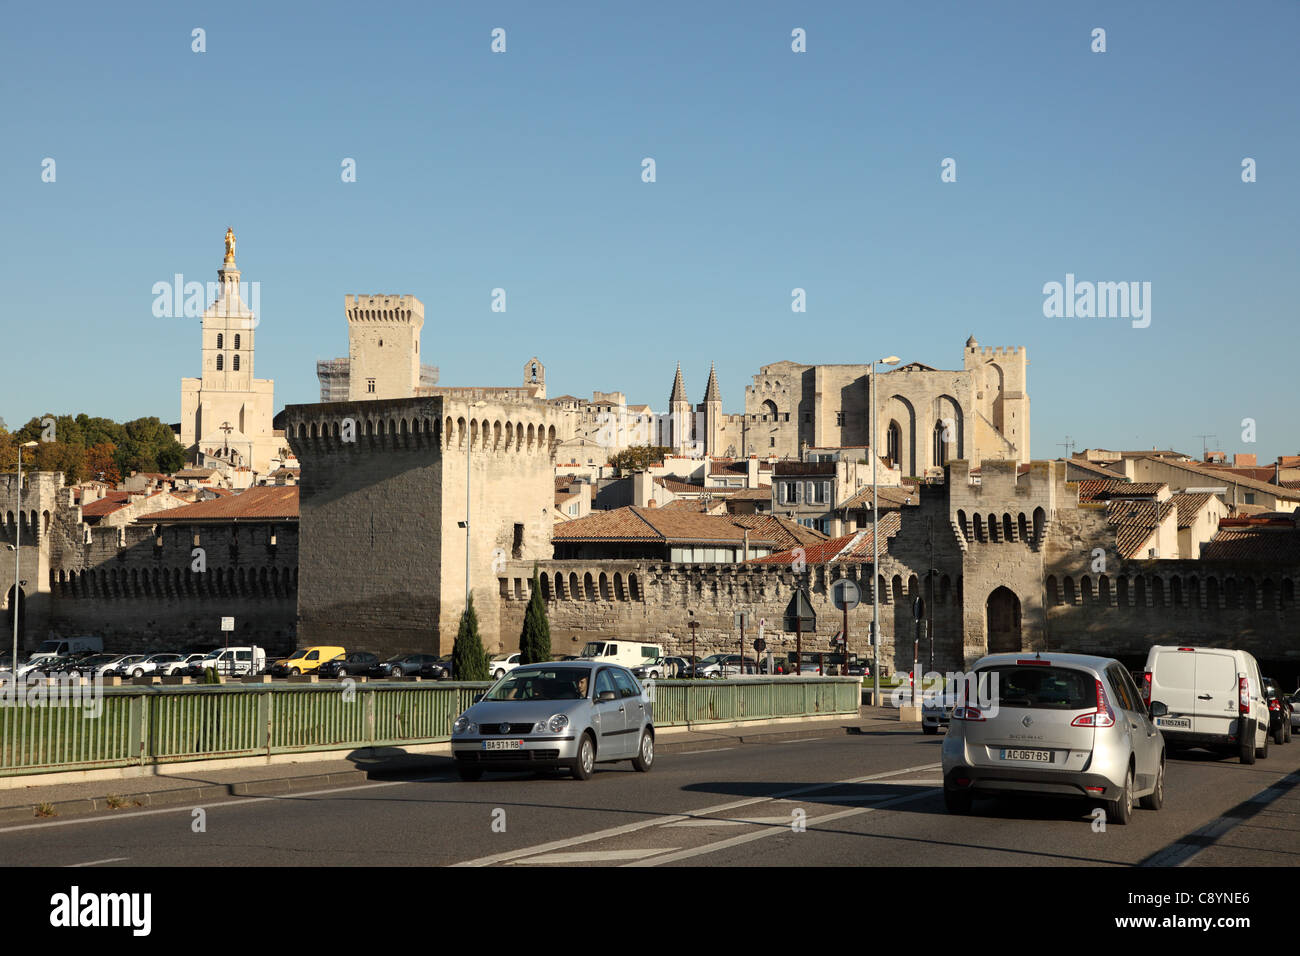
{"x":845,"y":594}
{"x":742,"y":619}
{"x":800,"y":609}
{"x":227,"y":623}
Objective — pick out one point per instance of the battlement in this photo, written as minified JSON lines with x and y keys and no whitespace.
{"x":384,"y":308}
{"x":38,"y":486}
{"x":1001,"y":351}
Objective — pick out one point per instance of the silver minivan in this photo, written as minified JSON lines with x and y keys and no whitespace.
{"x":1059,"y":725}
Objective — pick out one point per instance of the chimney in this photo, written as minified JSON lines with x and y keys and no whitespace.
{"x":751,"y":472}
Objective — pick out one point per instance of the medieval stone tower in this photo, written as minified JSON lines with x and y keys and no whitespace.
{"x":1001,"y":394}
{"x":226,"y":411}
{"x":383,"y":346}
{"x":397,"y":496}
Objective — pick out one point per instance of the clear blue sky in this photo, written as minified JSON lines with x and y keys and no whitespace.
{"x":775,"y":170}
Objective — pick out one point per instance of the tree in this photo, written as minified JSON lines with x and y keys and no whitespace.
{"x":638,"y":457}
{"x":535,"y":640}
{"x":468,"y":659}
{"x":100,"y":464}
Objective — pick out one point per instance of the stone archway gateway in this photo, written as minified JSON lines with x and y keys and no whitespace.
{"x":9,"y":616}
{"x":1002,"y":617}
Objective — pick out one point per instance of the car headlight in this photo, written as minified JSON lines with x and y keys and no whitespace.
{"x":555,"y":724}
{"x":463,"y":725}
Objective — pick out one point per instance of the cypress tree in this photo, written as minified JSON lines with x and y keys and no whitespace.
{"x":468,"y":659}
{"x":535,"y":640}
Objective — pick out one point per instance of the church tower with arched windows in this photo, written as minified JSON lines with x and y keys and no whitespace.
{"x":226,"y":413}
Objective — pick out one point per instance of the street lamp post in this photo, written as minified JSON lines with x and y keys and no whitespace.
{"x":18,"y":555}
{"x":875,"y":535}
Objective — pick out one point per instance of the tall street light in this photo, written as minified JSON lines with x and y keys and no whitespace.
{"x":875,"y":536}
{"x":18,"y":555}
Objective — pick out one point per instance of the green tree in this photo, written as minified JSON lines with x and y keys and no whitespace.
{"x":535,"y":640}
{"x":468,"y":659}
{"x":638,"y":457}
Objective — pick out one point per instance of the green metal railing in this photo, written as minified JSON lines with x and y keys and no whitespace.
{"x":141,"y":725}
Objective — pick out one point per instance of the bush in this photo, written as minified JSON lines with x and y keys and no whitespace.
{"x":535,"y":640}
{"x":468,"y":659}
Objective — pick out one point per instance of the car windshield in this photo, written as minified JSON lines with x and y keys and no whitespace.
{"x":566,"y":683}
{"x":593,"y":649}
{"x":1057,"y":688}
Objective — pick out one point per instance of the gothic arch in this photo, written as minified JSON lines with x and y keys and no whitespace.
{"x":1002,"y":614}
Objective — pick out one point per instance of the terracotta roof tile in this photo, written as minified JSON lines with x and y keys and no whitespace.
{"x":852,"y":548}
{"x":1273,"y":544}
{"x":1136,"y":521}
{"x":1189,"y":506}
{"x":890,"y":497}
{"x":252,"y":504}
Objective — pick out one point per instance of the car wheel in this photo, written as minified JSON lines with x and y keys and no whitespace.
{"x":1279,"y":736}
{"x":343,"y":672}
{"x":1261,"y":753}
{"x":498,"y":674}
{"x":469,"y":771}
{"x":586,"y":759}
{"x":1247,"y":742}
{"x":1156,"y":798}
{"x":1120,"y":810}
{"x":928,"y":729}
{"x":138,"y":672}
{"x":294,"y":672}
{"x":1286,"y":739}
{"x":957,"y":801}
{"x":395,"y":672}
{"x":645,"y":757}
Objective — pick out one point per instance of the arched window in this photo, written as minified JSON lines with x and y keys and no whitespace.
{"x":1007,"y":534}
{"x":894,"y":443}
{"x":235,"y":365}
{"x":220,"y":341}
{"x":1085,"y":589}
{"x":220,"y":362}
{"x":1103,"y":591}
{"x":1069,"y":590}
{"x":1052,"y":596}
{"x":941,"y":445}
{"x":236,"y":340}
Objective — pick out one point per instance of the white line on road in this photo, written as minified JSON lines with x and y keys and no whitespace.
{"x":237,"y":801}
{"x":661,"y":819}
{"x":113,"y":859}
{"x":717,"y":750}
{"x":750,"y":837}
{"x":594,"y":856}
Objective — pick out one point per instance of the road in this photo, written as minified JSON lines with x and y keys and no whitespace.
{"x":834,"y":800}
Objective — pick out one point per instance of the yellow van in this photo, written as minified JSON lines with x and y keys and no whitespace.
{"x":305,"y":660}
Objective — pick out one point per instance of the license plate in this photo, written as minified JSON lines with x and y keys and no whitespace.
{"x":1038,"y":756}
{"x":1184,"y":722}
{"x":503,"y":745}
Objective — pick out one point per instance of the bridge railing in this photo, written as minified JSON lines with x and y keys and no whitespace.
{"x":143,"y":725}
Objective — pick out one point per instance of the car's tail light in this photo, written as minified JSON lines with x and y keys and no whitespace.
{"x":1037,"y":662}
{"x":1095,"y":789}
{"x":1273,"y":705}
{"x":1243,"y":698}
{"x":961,"y":781}
{"x":1146,"y":688}
{"x":1103,"y":716}
{"x":967,"y":713}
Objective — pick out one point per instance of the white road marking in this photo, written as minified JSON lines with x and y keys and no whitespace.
{"x":783,"y":820}
{"x":662,"y":819}
{"x":114,"y":859}
{"x":715,"y":751}
{"x":760,"y":834}
{"x":593,"y":856}
{"x":236,"y":801}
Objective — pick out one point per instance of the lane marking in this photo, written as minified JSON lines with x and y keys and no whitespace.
{"x":229,"y":801}
{"x":113,"y":859}
{"x":592,"y":856}
{"x":782,"y":820}
{"x":751,"y":837}
{"x":715,"y":751}
{"x":661,"y":819}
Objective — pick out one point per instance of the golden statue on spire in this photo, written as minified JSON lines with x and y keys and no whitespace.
{"x":230,"y":245}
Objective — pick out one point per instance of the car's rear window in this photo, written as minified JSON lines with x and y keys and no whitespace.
{"x":1037,"y":686}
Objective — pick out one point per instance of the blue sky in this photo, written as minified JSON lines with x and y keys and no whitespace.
{"x":775,"y":170}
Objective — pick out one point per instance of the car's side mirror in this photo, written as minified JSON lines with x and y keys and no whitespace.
{"x":606,"y":695}
{"x":1158,"y":709}
{"x":477,"y":698}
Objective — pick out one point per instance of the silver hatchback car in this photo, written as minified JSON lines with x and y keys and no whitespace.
{"x":571,"y":714}
{"x":1064,"y":725}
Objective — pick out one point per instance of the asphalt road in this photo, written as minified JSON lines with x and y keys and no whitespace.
{"x":839,"y":800}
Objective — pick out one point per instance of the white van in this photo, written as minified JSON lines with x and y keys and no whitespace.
{"x":1214,"y":697}
{"x":66,"y":646}
{"x":235,"y":661}
{"x":628,"y":653}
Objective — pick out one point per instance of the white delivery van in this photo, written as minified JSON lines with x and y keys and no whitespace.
{"x":628,"y":653}
{"x":1213,"y":697}
{"x":236,"y":661}
{"x":66,"y":646}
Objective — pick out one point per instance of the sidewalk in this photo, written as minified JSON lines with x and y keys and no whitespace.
{"x":192,"y":783}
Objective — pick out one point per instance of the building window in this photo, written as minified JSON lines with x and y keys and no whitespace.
{"x":220,"y":363}
{"x":1250,"y":497}
{"x":517,"y":546}
{"x":370,"y":385}
{"x":771,"y":442}
{"x":839,"y":418}
{"x":219,"y":340}
{"x":236,"y":340}
{"x":789,"y":492}
{"x":235,"y":366}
